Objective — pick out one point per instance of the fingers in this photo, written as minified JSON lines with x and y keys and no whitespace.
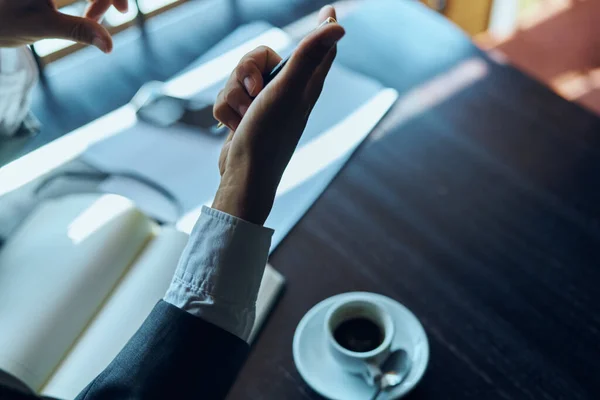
{"x":315,"y":86}
{"x":98,"y":8}
{"x":326,"y":12}
{"x":224,"y":113}
{"x":249,"y":72}
{"x":243,"y":85}
{"x":305,"y":72}
{"x":236,"y":97}
{"x":121,"y":5}
{"x":81,"y":30}
{"x":311,"y":53}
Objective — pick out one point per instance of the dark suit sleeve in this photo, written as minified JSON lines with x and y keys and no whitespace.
{"x":174,"y":355}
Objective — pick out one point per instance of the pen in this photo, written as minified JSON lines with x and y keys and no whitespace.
{"x":275,"y":71}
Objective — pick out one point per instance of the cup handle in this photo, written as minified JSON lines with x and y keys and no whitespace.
{"x":372,"y":374}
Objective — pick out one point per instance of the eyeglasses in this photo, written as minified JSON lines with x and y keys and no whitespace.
{"x":155,"y":107}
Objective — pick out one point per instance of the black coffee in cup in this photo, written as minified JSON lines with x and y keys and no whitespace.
{"x":358,"y":334}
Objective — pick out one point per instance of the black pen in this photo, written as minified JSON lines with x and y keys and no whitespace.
{"x":275,"y":71}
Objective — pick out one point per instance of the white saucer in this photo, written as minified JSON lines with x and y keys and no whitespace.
{"x":316,"y":365}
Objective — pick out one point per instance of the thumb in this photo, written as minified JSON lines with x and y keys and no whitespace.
{"x":81,"y":30}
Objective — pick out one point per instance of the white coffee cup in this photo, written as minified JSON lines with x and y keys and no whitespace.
{"x":363,"y":363}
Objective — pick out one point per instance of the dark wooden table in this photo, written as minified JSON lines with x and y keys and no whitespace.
{"x":479,"y":211}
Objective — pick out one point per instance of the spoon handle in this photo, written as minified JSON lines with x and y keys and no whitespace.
{"x":376,"y":394}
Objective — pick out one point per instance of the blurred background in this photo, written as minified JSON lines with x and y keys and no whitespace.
{"x":554,"y":41}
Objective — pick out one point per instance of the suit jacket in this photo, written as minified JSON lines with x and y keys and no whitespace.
{"x":174,"y":355}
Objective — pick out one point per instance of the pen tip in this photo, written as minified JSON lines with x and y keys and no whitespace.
{"x":329,"y":20}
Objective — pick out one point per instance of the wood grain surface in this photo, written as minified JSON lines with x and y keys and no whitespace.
{"x":477,"y":207}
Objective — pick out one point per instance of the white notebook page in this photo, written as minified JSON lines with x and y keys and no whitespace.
{"x":55,"y":271}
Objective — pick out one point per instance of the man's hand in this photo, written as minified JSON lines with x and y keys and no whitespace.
{"x":266,"y":125}
{"x":23,"y":22}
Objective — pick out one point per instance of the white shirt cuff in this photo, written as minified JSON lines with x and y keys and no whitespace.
{"x":220,"y":270}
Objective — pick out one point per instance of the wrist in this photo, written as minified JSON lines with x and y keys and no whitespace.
{"x":245,"y":198}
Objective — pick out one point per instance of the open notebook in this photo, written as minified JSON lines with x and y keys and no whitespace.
{"x":77,"y":280}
